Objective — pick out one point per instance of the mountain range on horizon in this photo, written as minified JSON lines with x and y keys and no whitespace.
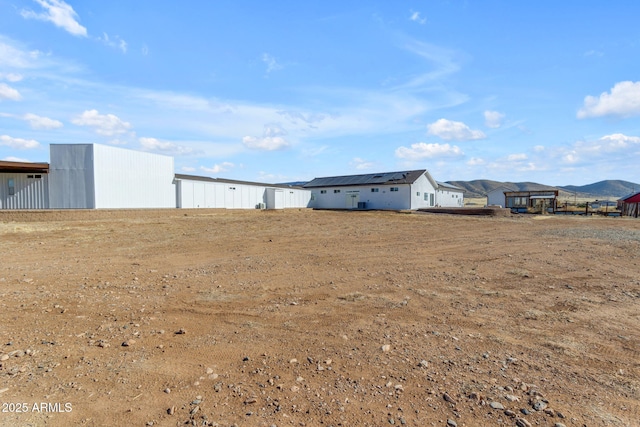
{"x":598,"y":190}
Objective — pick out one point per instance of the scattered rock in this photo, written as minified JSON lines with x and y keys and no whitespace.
{"x":496,"y":405}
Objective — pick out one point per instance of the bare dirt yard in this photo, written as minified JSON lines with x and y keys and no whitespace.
{"x":318,"y":318}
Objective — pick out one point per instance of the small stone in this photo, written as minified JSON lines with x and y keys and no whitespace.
{"x":423,"y":364}
{"x":250,"y":401}
{"x":209,"y":371}
{"x":539,"y":405}
{"x":4,"y":357}
{"x":550,"y":412}
{"x":128,"y":343}
{"x":559,"y":425}
{"x":521,"y":422}
{"x":496,"y":405}
{"x":448,"y":398}
{"x":181,"y":331}
{"x":512,"y":398}
{"x":386,"y":348}
{"x":167,"y":390}
{"x":509,"y":413}
{"x":451,"y":423}
{"x":171,"y":410}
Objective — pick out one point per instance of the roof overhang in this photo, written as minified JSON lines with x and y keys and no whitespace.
{"x":23,"y":167}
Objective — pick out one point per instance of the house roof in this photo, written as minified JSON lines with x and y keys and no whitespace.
{"x":384,"y":178}
{"x":231,"y":181}
{"x":449,"y":186}
{"x":23,"y":167}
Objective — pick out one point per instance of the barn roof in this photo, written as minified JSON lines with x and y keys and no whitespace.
{"x":631,"y":198}
{"x":23,"y":167}
{"x":231,"y":181}
{"x":384,"y":178}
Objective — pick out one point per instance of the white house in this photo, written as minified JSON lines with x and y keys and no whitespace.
{"x":204,"y":192}
{"x":389,"y":190}
{"x":94,"y":176}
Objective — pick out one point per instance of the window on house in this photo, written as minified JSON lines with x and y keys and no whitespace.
{"x":426,"y":197}
{"x":418,"y":194}
{"x":232,"y":188}
{"x":393,"y":189}
{"x":29,"y":176}
{"x":336,"y":191}
{"x":323,"y":191}
{"x":431,"y":199}
{"x":38,"y":176}
{"x":12,"y":187}
{"x":375,"y":190}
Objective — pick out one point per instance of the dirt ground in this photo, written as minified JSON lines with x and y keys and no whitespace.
{"x":318,"y":318}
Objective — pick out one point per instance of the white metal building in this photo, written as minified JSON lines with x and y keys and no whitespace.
{"x":24,"y":185}
{"x":389,"y":190}
{"x":204,"y":192}
{"x":93,"y":176}
{"x":449,"y":196}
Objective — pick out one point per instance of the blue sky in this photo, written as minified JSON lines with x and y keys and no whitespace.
{"x":279,"y":91}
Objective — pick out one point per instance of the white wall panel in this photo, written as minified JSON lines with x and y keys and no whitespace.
{"x":29,"y":192}
{"x":133,"y":179}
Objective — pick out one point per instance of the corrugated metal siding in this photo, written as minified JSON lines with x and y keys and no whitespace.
{"x":71,"y":176}
{"x":219,"y":194}
{"x":132,"y":179}
{"x":29,"y":193}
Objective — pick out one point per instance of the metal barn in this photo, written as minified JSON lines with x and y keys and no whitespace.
{"x":24,"y":185}
{"x":93,"y":176}
{"x":203,"y":192}
{"x":389,"y":190}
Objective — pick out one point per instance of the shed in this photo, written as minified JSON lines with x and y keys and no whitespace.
{"x":523,"y":201}
{"x":630,"y":205}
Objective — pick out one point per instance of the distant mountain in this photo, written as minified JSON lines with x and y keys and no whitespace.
{"x":602,"y":189}
{"x":610,"y":188}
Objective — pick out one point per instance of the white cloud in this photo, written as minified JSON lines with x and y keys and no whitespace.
{"x":7,"y":92}
{"x":476,"y":161}
{"x":188,"y":169}
{"x":493,"y":119}
{"x":218,"y":168}
{"x":622,"y":101}
{"x":11,"y":77}
{"x":606,"y":149}
{"x":16,"y":159}
{"x":539,"y":148}
{"x":165,"y":147}
{"x":517,"y":157}
{"x":422,"y":150}
{"x":103,"y":124}
{"x":361,"y":164}
{"x":415,"y":17}
{"x":453,"y":131}
{"x":39,"y":122}
{"x":60,"y":14}
{"x":270,"y":61}
{"x":118,"y":43}
{"x":18,"y":143}
{"x":272,"y":139}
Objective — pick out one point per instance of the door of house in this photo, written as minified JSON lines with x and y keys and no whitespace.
{"x":352,"y":200}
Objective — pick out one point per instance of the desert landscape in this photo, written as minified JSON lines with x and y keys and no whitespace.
{"x":318,"y":318}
